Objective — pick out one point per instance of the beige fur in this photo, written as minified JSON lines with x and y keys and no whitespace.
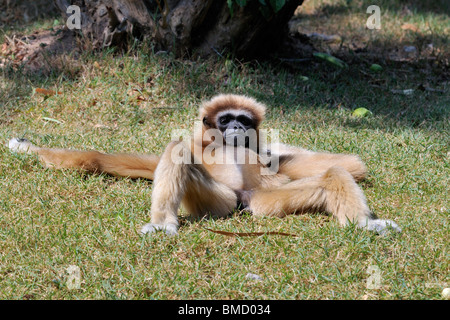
{"x":306,"y":181}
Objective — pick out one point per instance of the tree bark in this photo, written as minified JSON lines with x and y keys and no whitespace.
{"x":193,"y":27}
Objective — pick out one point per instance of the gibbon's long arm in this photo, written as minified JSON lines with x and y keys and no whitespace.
{"x":123,"y":165}
{"x":187,"y":184}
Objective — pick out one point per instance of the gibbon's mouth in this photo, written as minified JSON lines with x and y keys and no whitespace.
{"x":236,"y":138}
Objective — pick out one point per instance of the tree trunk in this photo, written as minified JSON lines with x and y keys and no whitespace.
{"x":194,"y":27}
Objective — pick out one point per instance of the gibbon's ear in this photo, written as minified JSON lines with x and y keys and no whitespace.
{"x":206,"y":123}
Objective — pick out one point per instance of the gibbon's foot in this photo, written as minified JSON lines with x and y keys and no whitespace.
{"x":381,"y":226}
{"x":169,"y":229}
{"x":20,"y":145}
{"x":243,"y":199}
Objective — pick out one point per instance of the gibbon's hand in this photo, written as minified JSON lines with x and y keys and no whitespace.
{"x":150,"y":228}
{"x":20,"y":145}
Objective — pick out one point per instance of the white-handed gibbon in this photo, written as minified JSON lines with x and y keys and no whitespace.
{"x":302,"y":181}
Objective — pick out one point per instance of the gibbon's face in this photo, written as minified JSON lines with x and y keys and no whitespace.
{"x":234,"y":125}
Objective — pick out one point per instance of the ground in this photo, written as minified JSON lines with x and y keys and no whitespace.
{"x":53,"y":223}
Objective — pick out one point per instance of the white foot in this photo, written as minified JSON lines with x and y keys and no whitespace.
{"x":381,"y":226}
{"x":169,"y":229}
{"x":20,"y":145}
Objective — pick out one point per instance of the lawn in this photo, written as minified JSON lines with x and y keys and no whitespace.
{"x":52,"y":222}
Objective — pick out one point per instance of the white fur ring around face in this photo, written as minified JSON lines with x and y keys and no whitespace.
{"x":20,"y":145}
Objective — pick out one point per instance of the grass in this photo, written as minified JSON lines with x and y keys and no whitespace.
{"x":129,"y":102}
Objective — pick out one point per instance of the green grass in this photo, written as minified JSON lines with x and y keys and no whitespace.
{"x":51,"y":219}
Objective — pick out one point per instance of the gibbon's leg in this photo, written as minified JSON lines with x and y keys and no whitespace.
{"x":125,"y":165}
{"x":300,"y":163}
{"x":189,"y":184}
{"x":334,"y":191}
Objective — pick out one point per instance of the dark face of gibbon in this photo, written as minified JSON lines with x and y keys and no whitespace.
{"x":235,"y":127}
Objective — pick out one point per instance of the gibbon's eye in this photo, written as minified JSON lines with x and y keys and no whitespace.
{"x":246,"y":121}
{"x":224,"y":120}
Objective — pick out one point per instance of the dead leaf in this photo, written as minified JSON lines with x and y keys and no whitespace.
{"x":410,"y":26}
{"x":137,"y":94}
{"x":4,"y":48}
{"x":132,"y":92}
{"x":47,"y":92}
{"x":251,"y":234}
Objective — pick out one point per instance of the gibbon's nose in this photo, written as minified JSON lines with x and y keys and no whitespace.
{"x":237,"y":126}
{"x":234,"y":124}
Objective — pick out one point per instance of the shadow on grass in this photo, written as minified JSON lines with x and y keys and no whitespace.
{"x":415,"y":6}
{"x":280,"y":85}
{"x":413,"y":88}
{"x":22,"y":37}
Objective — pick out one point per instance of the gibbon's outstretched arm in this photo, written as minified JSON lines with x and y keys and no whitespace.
{"x":189,"y":184}
{"x":124,"y":165}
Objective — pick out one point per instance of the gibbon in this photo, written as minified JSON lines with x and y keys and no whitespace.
{"x":205,"y":175}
